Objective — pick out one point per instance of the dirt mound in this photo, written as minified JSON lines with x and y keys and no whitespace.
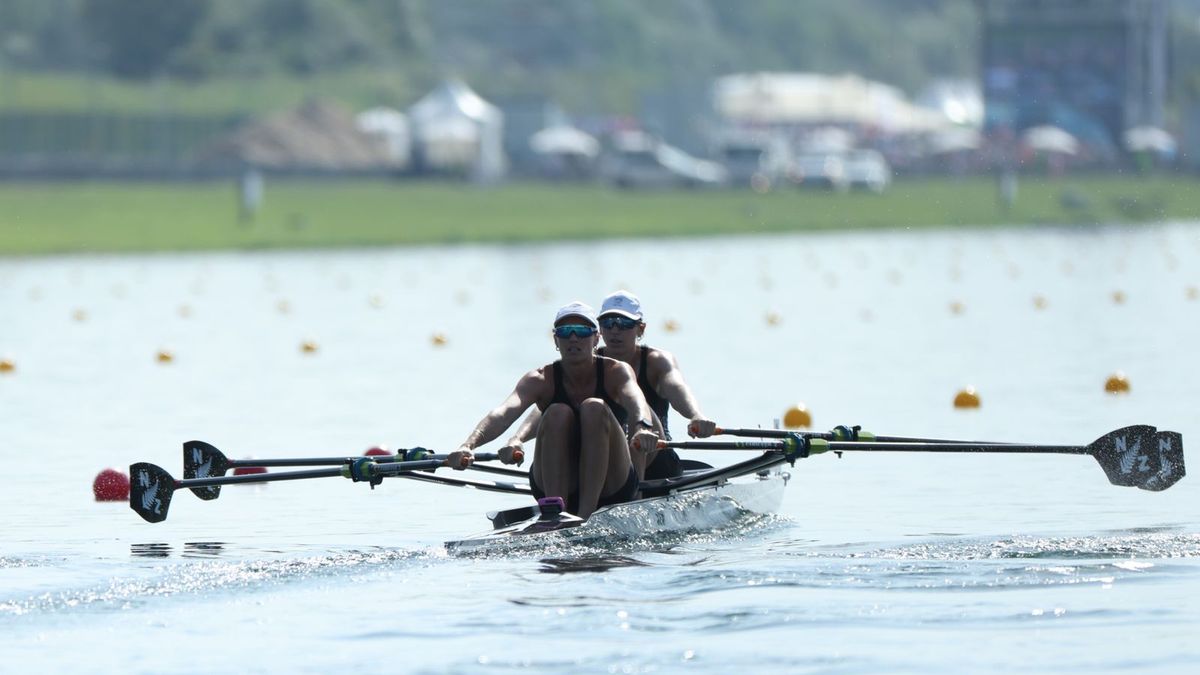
{"x":318,"y":135}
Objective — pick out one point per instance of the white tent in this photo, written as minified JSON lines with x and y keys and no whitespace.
{"x":455,"y":129}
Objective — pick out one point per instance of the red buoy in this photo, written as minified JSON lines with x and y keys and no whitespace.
{"x":376,"y":450}
{"x":244,"y":470}
{"x":111,"y":486}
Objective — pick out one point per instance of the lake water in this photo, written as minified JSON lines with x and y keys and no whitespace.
{"x":898,"y":563}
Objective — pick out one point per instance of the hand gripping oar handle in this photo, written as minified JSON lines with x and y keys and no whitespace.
{"x":1137,"y":456}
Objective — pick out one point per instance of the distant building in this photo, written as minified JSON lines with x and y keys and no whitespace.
{"x":798,"y":104}
{"x":1091,"y":67}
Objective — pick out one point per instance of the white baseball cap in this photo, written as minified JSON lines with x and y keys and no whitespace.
{"x":624,"y":303}
{"x":579,"y":309}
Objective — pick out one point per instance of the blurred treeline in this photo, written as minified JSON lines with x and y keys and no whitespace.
{"x":586,"y":54}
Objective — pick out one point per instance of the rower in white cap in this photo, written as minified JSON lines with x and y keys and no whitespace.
{"x":622,"y":327}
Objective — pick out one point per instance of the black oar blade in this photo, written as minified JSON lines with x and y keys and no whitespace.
{"x":201,"y":460}
{"x":1128,"y":456}
{"x":150,"y":490}
{"x":1168,"y":445}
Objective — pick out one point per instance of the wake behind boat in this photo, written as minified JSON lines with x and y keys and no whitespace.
{"x":702,"y":499}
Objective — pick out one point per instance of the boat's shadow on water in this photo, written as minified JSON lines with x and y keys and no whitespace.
{"x":191,"y":549}
{"x":588,"y":564}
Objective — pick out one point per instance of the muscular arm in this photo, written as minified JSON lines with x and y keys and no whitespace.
{"x":528,"y":428}
{"x":623,"y":387}
{"x":667,"y":379}
{"x":502,"y":416}
{"x":526,"y":431}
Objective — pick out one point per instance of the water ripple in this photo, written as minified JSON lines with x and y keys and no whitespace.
{"x":212,"y":576}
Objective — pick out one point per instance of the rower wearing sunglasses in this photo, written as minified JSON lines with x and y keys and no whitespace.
{"x":658,"y":376}
{"x":591,"y":413}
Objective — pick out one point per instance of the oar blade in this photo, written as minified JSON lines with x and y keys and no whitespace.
{"x":202,"y":460}
{"x":1130,"y":458}
{"x":150,"y":491}
{"x":1169,"y":447}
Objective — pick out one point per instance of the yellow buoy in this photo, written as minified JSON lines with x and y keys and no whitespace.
{"x":1039,"y":302}
{"x":7,"y":366}
{"x":283,"y":306}
{"x":309,"y":347}
{"x":797,"y":417}
{"x":376,"y":300}
{"x":165,"y":356}
{"x":1117,"y":383}
{"x":966,"y":398}
{"x":1192,"y":292}
{"x":1118,"y":297}
{"x":438,"y":340}
{"x":957,"y":307}
{"x":671,"y":325}
{"x":79,"y":315}
{"x":773,"y":318}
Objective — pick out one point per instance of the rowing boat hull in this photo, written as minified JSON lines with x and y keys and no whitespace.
{"x":701,"y":509}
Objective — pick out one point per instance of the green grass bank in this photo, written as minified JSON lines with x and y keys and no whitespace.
{"x":99,"y":217}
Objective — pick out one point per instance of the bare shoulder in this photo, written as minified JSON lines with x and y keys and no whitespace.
{"x":619,"y":368}
{"x":659,"y":362}
{"x":537,"y":380}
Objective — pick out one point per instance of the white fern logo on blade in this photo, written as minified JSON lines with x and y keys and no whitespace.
{"x":1164,"y":447}
{"x":1131,"y":454}
{"x":150,"y":496}
{"x":202,"y":470}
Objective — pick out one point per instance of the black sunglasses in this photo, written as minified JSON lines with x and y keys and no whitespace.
{"x":611,"y":322}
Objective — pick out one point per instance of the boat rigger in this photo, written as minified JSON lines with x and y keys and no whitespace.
{"x":702,"y":498}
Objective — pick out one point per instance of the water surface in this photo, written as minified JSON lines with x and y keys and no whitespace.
{"x":903,"y":563}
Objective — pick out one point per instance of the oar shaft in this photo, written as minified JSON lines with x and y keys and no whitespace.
{"x":722,"y":445}
{"x":874,"y":446}
{"x":818,"y":445}
{"x":769,"y":433}
{"x":256,"y":478}
{"x":337,"y":461}
{"x":371,"y":469}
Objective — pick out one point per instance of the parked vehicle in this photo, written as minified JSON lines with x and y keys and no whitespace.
{"x":867,"y":170}
{"x":824,"y":171}
{"x":759,"y":161}
{"x":637,"y":160}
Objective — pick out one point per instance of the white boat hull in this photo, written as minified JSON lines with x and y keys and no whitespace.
{"x":702,"y":509}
